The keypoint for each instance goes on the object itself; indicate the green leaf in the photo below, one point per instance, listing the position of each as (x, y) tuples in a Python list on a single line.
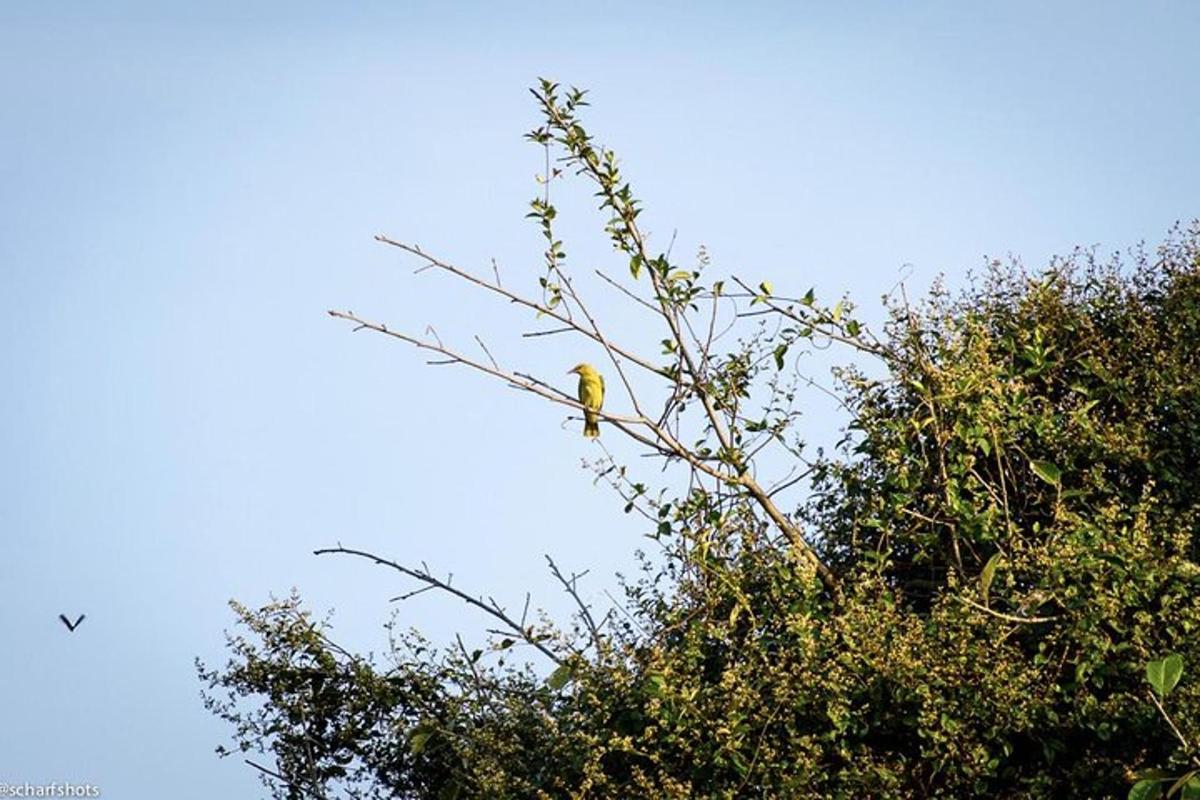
[(1191, 789), (1047, 471), (779, 353), (836, 314), (1146, 790), (1181, 783), (1164, 674), (809, 298), (988, 575), (419, 738), (766, 288), (635, 266), (1153, 774), (559, 678)]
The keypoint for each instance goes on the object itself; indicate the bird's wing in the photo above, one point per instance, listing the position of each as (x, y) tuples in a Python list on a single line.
[(601, 388)]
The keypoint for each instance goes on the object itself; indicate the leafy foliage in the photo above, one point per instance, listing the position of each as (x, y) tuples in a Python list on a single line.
[(969, 600)]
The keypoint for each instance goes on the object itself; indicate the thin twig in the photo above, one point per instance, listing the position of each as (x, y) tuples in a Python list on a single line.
[(550, 332), (515, 298), (488, 352), (662, 441), (538, 388), (584, 612), (289, 783), (1006, 617), (626, 292), (1187, 747), (853, 341)]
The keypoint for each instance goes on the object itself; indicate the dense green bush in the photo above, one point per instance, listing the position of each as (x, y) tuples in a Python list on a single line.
[(1007, 536)]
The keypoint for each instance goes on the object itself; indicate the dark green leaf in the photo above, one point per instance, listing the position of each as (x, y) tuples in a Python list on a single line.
[(779, 353)]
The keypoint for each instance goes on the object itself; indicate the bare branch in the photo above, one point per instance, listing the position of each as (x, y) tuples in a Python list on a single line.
[(584, 611), (541, 308), (408, 595), (1187, 747), (787, 482), (1006, 617), (599, 337), (287, 782), (488, 352), (512, 378), (627, 293), (550, 332), (425, 577)]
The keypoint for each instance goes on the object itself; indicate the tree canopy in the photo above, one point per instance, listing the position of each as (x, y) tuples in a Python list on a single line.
[(990, 588)]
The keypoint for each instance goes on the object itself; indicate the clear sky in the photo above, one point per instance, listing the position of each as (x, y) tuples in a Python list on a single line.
[(186, 188)]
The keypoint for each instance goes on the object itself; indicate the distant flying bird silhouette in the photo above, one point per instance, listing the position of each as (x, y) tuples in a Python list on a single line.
[(71, 626)]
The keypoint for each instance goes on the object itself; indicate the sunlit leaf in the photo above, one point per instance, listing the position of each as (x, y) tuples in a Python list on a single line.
[(1164, 674), (419, 739), (988, 575), (1146, 790), (1047, 471)]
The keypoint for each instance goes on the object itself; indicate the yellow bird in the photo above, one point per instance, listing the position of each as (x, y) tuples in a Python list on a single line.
[(591, 395)]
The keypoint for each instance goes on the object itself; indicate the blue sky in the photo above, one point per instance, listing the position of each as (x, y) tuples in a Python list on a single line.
[(184, 191)]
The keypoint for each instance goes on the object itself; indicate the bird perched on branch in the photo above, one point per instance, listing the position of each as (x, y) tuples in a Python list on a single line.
[(591, 395)]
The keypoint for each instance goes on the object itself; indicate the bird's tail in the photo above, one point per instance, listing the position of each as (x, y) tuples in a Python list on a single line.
[(591, 425)]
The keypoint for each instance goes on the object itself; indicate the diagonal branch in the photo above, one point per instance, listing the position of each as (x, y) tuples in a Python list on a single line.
[(1007, 617), (490, 607), (585, 612), (1187, 747), (661, 440), (544, 310)]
